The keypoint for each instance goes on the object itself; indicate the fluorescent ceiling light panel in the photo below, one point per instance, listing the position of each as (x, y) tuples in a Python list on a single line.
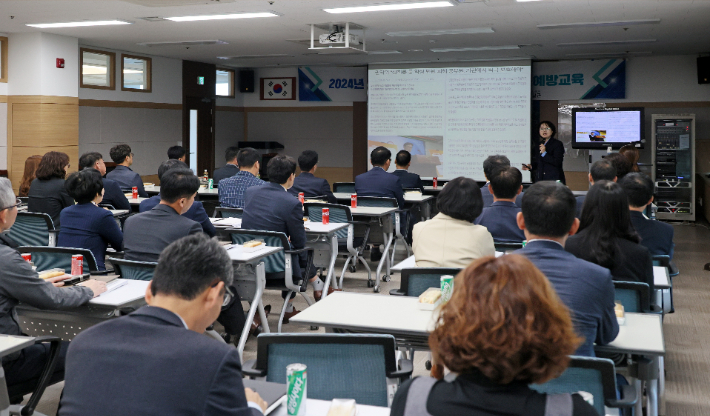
[(610, 42), (608, 54), (221, 16), (599, 24), (78, 24), (469, 31), (383, 52), (185, 43), (273, 55), (390, 6), (476, 49), (525, 1)]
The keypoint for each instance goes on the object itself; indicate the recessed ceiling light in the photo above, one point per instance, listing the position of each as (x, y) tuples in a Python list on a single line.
[(221, 16), (477, 48), (272, 55), (469, 31), (599, 24), (416, 50), (390, 6), (525, 1), (78, 24), (185, 43), (610, 42), (383, 52)]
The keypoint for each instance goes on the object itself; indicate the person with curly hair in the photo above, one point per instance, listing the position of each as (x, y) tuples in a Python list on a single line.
[(503, 328), (47, 193)]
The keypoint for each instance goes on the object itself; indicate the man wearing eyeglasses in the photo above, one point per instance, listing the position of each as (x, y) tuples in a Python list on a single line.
[(19, 283), (158, 358)]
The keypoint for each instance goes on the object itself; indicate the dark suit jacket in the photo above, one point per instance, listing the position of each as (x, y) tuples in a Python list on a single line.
[(580, 204), (584, 287), (408, 179), (50, 197), (149, 364), (501, 221), (225, 171), (656, 236), (146, 235), (114, 195), (549, 167), (377, 182), (88, 226), (196, 213), (312, 186), (270, 208), (632, 262), (488, 197), (127, 179)]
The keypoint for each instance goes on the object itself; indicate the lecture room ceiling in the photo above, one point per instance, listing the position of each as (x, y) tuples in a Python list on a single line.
[(682, 29)]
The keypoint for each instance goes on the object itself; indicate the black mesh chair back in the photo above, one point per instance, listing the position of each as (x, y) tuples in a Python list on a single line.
[(227, 212), (348, 187), (45, 258), (32, 229), (634, 296), (416, 281)]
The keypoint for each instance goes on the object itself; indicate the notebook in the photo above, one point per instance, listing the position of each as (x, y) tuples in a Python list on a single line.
[(272, 393)]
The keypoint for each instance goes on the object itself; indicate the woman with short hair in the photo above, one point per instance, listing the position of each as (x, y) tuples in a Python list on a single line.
[(549, 155), (47, 193), (503, 329), (86, 225), (451, 239)]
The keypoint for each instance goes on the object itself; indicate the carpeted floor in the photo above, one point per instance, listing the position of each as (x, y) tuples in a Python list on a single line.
[(687, 331)]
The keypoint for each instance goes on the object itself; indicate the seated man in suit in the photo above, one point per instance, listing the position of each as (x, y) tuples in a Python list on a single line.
[(586, 288), (307, 183), (145, 235), (122, 174), (196, 212), (656, 236), (177, 152), (272, 208), (113, 194), (231, 190), (19, 283), (158, 358), (501, 218), (230, 168), (601, 170), (489, 165), (409, 180)]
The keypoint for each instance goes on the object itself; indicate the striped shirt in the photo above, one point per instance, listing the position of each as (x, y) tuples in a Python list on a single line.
[(231, 190)]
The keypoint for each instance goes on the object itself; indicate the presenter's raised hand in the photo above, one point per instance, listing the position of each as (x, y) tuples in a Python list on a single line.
[(527, 167)]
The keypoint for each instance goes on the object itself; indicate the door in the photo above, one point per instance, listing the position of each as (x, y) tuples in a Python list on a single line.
[(199, 140)]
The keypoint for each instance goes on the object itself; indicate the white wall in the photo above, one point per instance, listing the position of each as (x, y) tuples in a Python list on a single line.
[(3, 136), (229, 129), (664, 78), (32, 65)]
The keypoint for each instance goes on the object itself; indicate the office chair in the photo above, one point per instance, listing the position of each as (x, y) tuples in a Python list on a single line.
[(131, 269), (347, 187), (416, 281), (33, 229), (227, 212), (45, 258)]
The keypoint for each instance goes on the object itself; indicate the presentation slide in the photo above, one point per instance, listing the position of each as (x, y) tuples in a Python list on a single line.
[(451, 119), (608, 126)]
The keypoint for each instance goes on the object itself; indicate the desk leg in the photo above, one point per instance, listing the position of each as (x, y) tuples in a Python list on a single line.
[(331, 266), (256, 304), (661, 386), (384, 260)]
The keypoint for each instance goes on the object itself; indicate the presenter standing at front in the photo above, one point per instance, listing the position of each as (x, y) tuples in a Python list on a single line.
[(547, 163)]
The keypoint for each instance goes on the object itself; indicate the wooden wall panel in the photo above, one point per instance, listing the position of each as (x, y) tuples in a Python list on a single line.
[(21, 153)]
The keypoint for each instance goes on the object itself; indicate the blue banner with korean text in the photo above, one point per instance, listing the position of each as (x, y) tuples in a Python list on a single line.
[(579, 80), (332, 84)]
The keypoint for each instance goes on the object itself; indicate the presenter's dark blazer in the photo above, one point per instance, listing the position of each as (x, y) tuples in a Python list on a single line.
[(549, 167), (585, 288), (377, 182), (656, 236), (148, 363), (226, 171), (501, 221), (145, 235), (409, 179), (91, 227), (270, 208), (196, 213), (488, 197), (310, 185), (114, 195), (127, 179)]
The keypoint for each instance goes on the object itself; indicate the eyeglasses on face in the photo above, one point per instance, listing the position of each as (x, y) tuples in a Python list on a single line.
[(545, 129), (18, 202)]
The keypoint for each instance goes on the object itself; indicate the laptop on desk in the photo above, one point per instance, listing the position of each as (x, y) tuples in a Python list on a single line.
[(272, 393)]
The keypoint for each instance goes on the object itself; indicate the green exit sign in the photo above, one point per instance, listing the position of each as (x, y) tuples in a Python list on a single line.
[(200, 80)]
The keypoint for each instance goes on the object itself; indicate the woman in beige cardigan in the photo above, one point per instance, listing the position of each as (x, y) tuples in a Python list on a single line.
[(451, 239)]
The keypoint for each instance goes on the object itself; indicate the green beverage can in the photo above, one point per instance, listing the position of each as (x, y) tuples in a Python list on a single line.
[(210, 184), (296, 395), (447, 288)]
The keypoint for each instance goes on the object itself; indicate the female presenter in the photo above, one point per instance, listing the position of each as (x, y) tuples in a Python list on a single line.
[(547, 163)]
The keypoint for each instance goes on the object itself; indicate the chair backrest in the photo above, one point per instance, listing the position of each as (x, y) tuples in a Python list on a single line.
[(593, 375), (109, 206), (634, 296), (417, 280), (348, 187), (227, 212), (505, 246), (353, 366), (131, 269), (274, 263), (377, 201), (338, 214), (31, 229), (46, 258)]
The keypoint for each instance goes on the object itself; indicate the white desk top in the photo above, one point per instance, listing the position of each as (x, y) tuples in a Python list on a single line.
[(364, 312), (12, 343), (136, 201), (642, 334), (228, 222), (240, 256), (320, 228), (119, 212), (661, 279), (120, 292), (201, 191), (410, 263), (408, 196), (320, 408), (372, 211), (431, 188)]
